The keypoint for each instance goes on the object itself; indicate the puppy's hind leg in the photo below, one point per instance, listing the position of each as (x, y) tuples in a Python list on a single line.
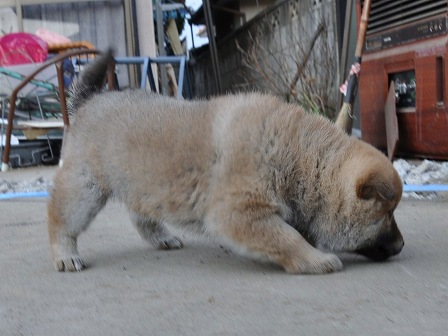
[(155, 233), (75, 200), (270, 236)]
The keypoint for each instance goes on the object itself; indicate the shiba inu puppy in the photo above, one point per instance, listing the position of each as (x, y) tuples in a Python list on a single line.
[(263, 176)]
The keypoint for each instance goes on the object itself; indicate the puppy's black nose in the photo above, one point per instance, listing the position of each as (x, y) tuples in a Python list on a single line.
[(386, 245), (377, 253), (394, 248)]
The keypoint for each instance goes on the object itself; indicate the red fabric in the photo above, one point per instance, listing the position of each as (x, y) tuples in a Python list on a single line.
[(22, 48), (51, 37)]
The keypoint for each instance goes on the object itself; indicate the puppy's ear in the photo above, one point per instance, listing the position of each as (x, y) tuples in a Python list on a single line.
[(375, 184)]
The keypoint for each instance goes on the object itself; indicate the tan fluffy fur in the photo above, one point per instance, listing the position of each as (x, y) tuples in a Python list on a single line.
[(263, 176)]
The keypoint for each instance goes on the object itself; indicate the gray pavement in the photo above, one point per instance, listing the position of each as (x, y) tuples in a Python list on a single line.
[(131, 289)]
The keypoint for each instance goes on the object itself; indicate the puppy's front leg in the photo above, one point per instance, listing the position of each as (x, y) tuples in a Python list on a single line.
[(272, 237)]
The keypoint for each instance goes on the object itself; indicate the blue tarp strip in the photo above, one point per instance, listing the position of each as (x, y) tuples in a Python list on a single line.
[(38, 194), (425, 188), (406, 188)]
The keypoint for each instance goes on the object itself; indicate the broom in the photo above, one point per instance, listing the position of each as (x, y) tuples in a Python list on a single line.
[(350, 87)]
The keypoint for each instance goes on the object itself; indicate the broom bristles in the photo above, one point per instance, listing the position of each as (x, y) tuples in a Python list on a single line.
[(344, 120)]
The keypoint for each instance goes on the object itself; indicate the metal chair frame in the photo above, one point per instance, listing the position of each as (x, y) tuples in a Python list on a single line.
[(57, 62)]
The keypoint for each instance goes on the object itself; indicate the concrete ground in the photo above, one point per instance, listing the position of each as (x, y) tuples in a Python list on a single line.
[(131, 289)]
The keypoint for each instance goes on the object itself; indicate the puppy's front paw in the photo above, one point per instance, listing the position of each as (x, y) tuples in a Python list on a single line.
[(318, 263), (69, 264), (170, 243), (328, 264)]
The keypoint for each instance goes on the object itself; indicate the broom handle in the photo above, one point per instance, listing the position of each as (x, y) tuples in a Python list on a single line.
[(352, 85), (344, 120), (362, 30)]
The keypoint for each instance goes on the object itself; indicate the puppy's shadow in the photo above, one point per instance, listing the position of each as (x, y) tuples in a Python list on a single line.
[(197, 255)]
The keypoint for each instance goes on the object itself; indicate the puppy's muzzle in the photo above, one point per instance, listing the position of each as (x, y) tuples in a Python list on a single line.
[(387, 244)]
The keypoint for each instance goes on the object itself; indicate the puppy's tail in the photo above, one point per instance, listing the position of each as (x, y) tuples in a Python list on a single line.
[(90, 82)]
